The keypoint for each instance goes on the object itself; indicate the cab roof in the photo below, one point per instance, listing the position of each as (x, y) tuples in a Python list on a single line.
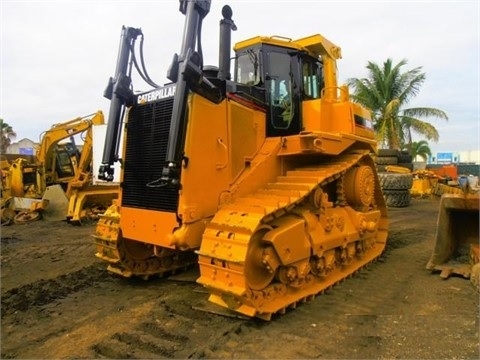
[(315, 45)]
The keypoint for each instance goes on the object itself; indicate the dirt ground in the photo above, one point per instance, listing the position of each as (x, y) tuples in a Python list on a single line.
[(58, 301)]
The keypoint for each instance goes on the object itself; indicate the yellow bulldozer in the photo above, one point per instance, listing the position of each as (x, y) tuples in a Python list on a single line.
[(265, 180)]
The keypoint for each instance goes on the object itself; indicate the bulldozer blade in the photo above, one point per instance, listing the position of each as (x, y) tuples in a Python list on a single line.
[(457, 236), (57, 203)]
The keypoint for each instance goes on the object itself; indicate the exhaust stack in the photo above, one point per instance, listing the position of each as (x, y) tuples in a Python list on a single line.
[(226, 27)]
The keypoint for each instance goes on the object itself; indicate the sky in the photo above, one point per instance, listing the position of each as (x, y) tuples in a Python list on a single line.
[(57, 56)]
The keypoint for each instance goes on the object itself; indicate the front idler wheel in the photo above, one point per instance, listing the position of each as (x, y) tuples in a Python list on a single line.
[(261, 261)]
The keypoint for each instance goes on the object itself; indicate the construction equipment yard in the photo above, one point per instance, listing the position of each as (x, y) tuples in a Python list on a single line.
[(245, 190), (58, 301)]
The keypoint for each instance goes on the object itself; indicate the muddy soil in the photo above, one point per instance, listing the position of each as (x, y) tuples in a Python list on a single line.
[(59, 302)]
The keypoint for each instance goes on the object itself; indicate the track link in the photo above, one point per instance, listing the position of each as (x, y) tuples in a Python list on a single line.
[(127, 257), (294, 238)]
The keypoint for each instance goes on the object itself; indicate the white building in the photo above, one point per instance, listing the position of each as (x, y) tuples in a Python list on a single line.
[(23, 147), (472, 156), (461, 157)]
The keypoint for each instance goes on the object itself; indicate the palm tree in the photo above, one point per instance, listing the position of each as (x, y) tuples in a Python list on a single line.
[(386, 92), (420, 148), (7, 134)]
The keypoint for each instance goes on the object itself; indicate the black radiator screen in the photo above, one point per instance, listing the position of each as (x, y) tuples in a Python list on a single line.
[(146, 148)]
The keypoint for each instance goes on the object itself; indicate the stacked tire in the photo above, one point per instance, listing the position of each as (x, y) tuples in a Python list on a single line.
[(395, 186), (386, 157), (405, 160)]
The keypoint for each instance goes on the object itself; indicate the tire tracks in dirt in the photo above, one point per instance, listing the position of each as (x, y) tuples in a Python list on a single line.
[(43, 292), (174, 328), (128, 318)]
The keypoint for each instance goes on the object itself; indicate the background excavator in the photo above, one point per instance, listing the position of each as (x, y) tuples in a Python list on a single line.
[(60, 174), (87, 198), (54, 163), (265, 180)]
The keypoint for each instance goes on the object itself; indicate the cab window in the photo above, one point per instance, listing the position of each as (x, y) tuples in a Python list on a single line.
[(248, 68), (280, 90), (312, 79)]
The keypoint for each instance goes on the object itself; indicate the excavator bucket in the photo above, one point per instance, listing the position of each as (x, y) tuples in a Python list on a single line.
[(456, 248), (57, 203)]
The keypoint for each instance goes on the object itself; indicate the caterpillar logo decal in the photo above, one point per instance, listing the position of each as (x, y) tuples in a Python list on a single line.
[(160, 93)]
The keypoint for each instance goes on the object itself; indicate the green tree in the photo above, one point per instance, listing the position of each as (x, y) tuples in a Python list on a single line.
[(420, 148), (7, 134), (386, 92)]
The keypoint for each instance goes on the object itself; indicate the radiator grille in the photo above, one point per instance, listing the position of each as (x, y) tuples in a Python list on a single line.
[(146, 148)]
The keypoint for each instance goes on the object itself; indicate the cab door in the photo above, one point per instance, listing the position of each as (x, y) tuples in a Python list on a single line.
[(283, 98)]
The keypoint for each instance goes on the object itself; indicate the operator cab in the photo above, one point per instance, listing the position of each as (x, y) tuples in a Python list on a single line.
[(278, 75), (66, 156)]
